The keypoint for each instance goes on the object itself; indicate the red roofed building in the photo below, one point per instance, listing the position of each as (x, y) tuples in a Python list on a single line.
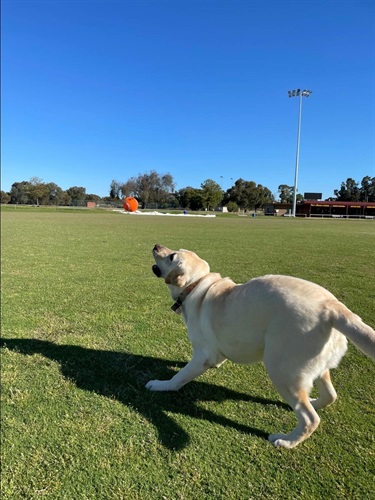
[(313, 208)]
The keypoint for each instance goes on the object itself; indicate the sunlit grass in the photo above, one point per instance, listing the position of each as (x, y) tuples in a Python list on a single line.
[(85, 324)]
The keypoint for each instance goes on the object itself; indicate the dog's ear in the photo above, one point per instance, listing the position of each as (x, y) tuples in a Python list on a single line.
[(176, 278)]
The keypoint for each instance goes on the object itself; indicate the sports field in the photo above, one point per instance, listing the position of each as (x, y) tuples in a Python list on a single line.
[(85, 324)]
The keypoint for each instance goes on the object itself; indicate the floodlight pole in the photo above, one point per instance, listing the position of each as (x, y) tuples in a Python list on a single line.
[(300, 94)]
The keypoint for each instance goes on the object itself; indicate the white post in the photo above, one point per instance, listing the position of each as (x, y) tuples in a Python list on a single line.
[(297, 157), (300, 94)]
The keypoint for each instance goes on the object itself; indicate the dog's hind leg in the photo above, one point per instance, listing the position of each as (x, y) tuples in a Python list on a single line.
[(327, 393), (296, 394), (308, 420)]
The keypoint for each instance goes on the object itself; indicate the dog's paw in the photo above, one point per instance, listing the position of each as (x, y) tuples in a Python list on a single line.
[(158, 385), (281, 441)]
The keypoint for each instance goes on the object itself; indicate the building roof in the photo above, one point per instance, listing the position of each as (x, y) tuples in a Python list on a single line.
[(338, 203)]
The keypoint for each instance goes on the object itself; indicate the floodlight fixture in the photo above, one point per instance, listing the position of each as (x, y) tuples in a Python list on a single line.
[(300, 94)]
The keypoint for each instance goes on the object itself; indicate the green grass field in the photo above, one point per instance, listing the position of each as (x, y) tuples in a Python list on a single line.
[(85, 325)]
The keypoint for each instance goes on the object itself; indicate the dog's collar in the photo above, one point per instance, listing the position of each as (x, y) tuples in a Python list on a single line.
[(180, 299)]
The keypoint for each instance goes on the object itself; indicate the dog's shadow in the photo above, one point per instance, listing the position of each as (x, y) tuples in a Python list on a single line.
[(122, 376)]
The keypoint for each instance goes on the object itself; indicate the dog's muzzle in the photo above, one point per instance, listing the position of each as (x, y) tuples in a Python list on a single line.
[(156, 270)]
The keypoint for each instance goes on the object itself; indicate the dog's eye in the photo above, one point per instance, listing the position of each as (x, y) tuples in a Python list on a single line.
[(171, 257)]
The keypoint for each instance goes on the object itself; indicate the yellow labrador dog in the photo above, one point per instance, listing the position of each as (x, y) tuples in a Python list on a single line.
[(296, 327)]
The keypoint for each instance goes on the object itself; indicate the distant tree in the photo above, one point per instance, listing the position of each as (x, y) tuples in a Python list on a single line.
[(196, 201), (19, 193), (167, 187), (106, 199), (237, 194), (41, 193), (4, 197), (168, 183), (130, 187), (212, 194), (65, 199), (248, 195), (264, 195), (93, 197), (54, 195), (115, 190), (286, 193), (367, 189), (349, 191), (191, 198), (77, 195), (38, 191), (232, 206), (150, 187)]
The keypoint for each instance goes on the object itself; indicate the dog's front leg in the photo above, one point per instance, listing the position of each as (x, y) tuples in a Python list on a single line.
[(196, 366)]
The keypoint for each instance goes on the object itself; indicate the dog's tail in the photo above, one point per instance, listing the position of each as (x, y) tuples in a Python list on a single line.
[(351, 325)]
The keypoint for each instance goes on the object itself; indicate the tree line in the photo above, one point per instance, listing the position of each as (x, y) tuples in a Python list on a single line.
[(351, 190), (37, 192), (159, 189), (152, 189)]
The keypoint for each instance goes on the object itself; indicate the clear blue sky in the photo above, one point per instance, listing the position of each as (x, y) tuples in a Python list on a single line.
[(100, 90)]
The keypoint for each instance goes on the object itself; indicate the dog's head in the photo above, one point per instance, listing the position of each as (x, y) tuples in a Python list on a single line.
[(178, 268)]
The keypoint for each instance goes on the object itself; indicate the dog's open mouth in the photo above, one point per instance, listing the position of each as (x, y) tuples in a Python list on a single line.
[(156, 270)]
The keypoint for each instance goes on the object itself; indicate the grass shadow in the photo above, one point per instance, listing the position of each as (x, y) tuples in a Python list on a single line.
[(122, 376)]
